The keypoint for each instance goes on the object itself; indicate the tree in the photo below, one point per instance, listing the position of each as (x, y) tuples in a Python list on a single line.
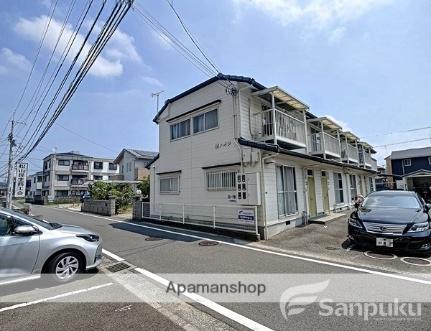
[(144, 186), (122, 193)]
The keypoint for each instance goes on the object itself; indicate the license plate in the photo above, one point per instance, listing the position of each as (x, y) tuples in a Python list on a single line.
[(384, 242)]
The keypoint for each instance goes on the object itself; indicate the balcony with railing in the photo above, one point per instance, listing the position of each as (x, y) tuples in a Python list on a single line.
[(80, 182), (80, 166), (329, 145), (287, 128), (282, 119), (349, 153), (349, 148), (324, 138)]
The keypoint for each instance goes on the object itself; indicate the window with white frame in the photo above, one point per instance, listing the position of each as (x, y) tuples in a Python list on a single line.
[(338, 187), (170, 184), (286, 191), (221, 180), (205, 121), (407, 162), (181, 129), (353, 187)]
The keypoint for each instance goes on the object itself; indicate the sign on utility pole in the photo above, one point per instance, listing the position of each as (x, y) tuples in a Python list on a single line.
[(20, 179)]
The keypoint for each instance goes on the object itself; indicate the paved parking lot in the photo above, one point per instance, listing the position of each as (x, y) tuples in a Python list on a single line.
[(112, 298), (330, 242)]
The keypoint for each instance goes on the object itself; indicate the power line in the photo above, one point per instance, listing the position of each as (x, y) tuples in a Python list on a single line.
[(39, 85), (116, 16), (63, 57), (192, 38), (52, 10), (396, 132), (85, 138), (403, 142)]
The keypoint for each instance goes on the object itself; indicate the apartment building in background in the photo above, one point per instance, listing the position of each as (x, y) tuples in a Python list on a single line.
[(132, 164), (68, 174), (410, 169), (34, 188), (230, 142)]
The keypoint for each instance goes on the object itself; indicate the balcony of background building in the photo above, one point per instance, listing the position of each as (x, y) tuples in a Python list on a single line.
[(80, 166), (365, 159)]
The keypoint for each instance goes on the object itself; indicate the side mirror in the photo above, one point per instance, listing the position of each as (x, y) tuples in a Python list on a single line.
[(25, 230)]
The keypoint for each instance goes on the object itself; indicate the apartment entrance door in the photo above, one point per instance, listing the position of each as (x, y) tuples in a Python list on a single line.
[(312, 207), (325, 192)]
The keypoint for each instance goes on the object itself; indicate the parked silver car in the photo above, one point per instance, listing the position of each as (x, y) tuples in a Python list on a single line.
[(30, 247)]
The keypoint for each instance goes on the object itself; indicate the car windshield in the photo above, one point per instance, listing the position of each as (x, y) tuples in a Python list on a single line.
[(391, 201), (42, 223)]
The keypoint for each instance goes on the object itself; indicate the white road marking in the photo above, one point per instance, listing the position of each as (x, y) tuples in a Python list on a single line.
[(203, 301), (19, 280), (307, 259), (112, 255), (60, 296)]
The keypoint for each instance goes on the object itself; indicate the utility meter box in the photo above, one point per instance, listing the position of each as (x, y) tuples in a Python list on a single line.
[(248, 188)]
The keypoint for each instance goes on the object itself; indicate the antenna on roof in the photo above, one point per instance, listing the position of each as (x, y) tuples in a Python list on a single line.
[(157, 94)]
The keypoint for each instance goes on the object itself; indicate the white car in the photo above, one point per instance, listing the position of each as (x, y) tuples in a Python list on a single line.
[(31, 247)]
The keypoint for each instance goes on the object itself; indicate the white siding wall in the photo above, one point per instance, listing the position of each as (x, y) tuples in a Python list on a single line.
[(190, 154)]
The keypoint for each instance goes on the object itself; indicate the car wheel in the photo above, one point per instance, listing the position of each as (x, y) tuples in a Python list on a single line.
[(65, 267)]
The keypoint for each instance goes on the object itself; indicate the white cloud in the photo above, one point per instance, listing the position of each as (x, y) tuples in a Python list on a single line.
[(10, 58), (119, 48), (341, 123), (152, 81), (336, 35), (163, 42), (313, 14)]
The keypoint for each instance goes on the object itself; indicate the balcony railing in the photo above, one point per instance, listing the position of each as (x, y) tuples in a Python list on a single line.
[(373, 164), (349, 152), (332, 144), (287, 128), (78, 182), (80, 166)]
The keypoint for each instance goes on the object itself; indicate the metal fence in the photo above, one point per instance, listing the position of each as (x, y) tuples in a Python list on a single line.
[(237, 218)]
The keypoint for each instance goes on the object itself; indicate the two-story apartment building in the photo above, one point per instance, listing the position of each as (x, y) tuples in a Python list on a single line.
[(410, 169), (68, 174), (132, 164), (230, 141)]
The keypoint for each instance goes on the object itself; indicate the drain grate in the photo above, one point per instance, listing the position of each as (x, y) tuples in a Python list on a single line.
[(153, 239), (118, 267), (208, 243), (416, 261)]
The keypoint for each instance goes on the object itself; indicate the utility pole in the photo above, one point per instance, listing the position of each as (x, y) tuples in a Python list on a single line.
[(157, 94), (10, 167)]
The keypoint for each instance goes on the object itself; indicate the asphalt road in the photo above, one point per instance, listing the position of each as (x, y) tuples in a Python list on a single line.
[(174, 252)]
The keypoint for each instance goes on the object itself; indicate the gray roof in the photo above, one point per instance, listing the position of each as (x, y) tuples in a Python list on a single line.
[(139, 154), (142, 154), (411, 153)]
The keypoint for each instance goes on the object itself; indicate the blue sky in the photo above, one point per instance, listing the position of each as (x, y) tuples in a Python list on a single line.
[(364, 62)]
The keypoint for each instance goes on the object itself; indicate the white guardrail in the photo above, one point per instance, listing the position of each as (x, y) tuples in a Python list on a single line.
[(237, 218)]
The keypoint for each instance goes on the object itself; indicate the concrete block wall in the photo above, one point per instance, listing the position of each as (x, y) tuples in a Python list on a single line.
[(101, 207)]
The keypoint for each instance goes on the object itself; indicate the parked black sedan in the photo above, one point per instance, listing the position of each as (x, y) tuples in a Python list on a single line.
[(392, 219)]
